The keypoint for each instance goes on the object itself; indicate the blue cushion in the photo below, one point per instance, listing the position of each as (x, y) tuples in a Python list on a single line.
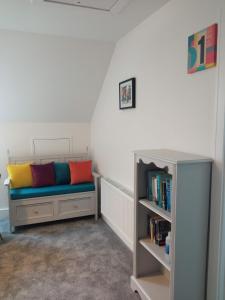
[(24, 193), (62, 173)]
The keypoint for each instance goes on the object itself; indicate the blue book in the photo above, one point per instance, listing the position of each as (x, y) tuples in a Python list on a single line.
[(159, 190), (168, 192)]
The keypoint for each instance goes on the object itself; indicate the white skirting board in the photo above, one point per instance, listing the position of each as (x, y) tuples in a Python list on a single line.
[(117, 210)]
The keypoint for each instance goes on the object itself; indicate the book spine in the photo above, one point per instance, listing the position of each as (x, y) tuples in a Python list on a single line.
[(153, 229), (164, 204), (149, 187), (155, 189), (159, 197), (168, 193), (156, 231), (163, 227)]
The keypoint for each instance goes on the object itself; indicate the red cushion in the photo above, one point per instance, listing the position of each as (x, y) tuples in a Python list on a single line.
[(43, 175), (81, 171)]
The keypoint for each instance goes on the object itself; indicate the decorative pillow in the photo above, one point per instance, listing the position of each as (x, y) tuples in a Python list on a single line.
[(62, 173), (81, 171), (43, 175), (20, 175)]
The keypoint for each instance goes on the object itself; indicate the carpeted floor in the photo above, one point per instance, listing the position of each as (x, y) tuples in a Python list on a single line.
[(72, 260)]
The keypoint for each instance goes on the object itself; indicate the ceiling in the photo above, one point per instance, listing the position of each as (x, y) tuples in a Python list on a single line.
[(56, 76), (102, 5), (105, 20)]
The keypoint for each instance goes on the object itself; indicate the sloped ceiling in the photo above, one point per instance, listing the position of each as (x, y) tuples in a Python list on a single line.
[(52, 18), (50, 79), (54, 58)]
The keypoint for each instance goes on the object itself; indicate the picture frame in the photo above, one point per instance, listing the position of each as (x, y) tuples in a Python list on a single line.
[(202, 49), (127, 94)]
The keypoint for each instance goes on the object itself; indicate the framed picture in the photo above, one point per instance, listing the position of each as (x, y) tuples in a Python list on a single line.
[(127, 92), (202, 49)]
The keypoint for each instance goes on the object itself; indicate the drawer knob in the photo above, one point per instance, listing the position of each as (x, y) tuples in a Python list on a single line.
[(36, 212), (75, 206)]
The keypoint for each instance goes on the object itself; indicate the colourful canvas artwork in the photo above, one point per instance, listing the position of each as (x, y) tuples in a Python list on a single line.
[(202, 49)]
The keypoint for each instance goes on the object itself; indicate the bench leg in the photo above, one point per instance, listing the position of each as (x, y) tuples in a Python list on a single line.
[(12, 229)]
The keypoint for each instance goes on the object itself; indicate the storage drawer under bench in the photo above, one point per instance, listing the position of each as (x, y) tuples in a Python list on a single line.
[(28, 212), (74, 206), (37, 210)]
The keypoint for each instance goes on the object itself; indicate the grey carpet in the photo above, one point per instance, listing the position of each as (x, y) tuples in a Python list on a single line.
[(72, 260)]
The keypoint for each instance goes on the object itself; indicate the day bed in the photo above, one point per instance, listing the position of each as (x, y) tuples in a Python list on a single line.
[(37, 205)]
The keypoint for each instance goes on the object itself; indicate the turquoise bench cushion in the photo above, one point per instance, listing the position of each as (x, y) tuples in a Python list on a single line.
[(24, 193)]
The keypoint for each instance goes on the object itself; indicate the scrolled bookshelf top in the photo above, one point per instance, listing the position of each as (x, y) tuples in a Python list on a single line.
[(172, 156)]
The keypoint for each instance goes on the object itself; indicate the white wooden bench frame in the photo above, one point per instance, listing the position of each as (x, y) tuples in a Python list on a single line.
[(56, 207)]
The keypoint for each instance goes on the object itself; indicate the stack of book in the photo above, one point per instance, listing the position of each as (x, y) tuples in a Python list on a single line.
[(159, 187), (158, 230)]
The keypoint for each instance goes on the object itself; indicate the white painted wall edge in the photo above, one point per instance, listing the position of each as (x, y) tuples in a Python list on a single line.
[(222, 100), (4, 213), (216, 267)]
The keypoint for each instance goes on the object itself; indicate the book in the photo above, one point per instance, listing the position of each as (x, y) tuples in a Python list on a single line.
[(164, 202), (155, 196), (164, 190), (168, 192), (159, 187), (162, 227), (159, 190), (151, 229), (150, 185), (158, 230)]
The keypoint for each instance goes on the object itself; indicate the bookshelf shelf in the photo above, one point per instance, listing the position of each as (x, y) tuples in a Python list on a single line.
[(154, 287), (157, 251), (188, 195), (156, 209)]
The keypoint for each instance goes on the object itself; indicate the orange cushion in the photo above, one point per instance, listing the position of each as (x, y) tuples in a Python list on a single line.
[(81, 171)]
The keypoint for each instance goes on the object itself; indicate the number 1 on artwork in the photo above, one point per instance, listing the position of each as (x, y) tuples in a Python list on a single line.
[(201, 43)]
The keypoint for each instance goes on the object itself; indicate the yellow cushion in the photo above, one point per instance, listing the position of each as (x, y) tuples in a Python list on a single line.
[(20, 175)]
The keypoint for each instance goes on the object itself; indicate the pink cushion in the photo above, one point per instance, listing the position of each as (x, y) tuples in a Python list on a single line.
[(43, 175)]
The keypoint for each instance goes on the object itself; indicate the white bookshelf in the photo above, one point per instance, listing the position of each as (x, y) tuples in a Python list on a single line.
[(156, 251), (184, 276), (156, 209), (155, 286)]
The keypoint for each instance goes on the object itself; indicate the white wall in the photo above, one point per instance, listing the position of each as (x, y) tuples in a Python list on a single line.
[(216, 274), (49, 78), (48, 88), (17, 138), (174, 110)]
